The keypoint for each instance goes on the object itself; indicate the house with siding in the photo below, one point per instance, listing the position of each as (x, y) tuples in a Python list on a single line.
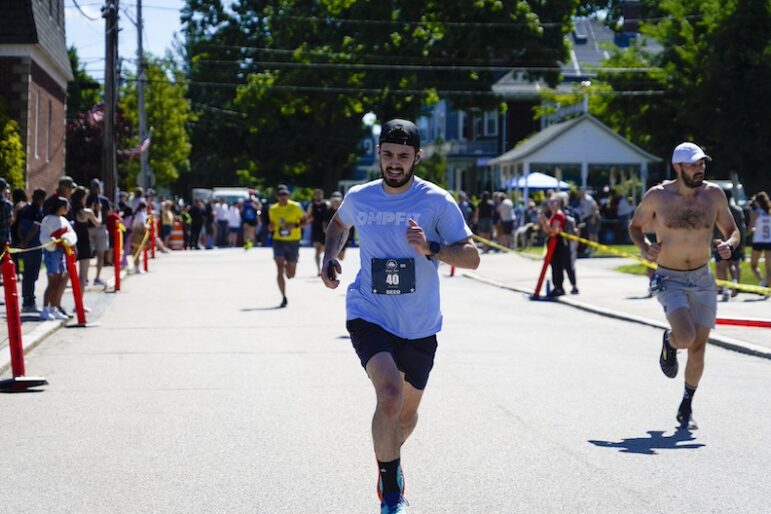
[(34, 72), (471, 139)]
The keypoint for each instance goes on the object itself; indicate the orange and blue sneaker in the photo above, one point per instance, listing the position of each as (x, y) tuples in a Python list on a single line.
[(399, 481), (394, 503)]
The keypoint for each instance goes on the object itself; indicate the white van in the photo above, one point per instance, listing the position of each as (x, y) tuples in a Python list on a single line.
[(231, 194)]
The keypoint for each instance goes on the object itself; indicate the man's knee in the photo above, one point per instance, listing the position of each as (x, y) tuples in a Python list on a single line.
[(684, 337), (290, 271), (390, 396)]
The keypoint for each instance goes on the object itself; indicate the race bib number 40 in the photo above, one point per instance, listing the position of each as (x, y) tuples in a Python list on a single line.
[(393, 276)]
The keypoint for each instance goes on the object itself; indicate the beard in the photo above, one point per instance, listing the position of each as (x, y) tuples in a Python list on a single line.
[(397, 182), (692, 182)]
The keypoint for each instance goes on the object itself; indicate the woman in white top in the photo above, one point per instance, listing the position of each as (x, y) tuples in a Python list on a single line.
[(760, 228), (55, 227)]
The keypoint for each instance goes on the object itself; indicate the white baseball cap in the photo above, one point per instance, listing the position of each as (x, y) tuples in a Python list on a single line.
[(688, 153)]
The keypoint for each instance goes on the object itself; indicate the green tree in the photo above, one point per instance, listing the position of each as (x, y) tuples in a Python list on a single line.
[(168, 115), (84, 92), (11, 150), (308, 71), (708, 84)]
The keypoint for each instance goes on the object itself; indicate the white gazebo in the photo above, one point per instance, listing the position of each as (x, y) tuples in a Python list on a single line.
[(583, 141)]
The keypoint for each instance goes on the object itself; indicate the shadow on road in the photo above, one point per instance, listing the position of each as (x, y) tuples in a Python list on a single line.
[(253, 309), (656, 440)]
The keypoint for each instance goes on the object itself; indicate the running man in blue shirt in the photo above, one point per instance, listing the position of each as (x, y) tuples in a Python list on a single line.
[(405, 225)]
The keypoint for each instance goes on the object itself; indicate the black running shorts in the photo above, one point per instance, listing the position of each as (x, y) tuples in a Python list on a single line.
[(413, 357)]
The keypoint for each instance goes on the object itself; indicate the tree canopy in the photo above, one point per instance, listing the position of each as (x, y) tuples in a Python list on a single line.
[(285, 83), (11, 150)]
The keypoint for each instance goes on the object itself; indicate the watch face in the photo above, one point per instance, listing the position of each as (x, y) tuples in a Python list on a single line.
[(434, 247)]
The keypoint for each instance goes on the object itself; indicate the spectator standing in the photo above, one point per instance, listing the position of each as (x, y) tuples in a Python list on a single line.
[(760, 228), (506, 214), (30, 218), (186, 220), (234, 224), (98, 234), (84, 218), (209, 225), (468, 210), (197, 215), (138, 230), (589, 215), (6, 214), (485, 217), (167, 222), (250, 217), (54, 227), (19, 201), (560, 260), (733, 265), (221, 216)]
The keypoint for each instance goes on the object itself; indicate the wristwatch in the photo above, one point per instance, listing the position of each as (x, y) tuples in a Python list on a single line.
[(434, 247)]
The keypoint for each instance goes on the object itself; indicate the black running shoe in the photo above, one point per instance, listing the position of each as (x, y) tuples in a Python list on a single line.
[(283, 303), (686, 420), (668, 356)]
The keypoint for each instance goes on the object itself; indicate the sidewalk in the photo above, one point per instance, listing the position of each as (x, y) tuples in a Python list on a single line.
[(35, 331), (624, 296)]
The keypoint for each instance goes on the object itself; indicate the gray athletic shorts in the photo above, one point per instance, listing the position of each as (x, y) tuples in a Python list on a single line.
[(694, 290)]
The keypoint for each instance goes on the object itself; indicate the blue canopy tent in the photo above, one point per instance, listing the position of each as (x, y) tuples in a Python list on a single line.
[(536, 180)]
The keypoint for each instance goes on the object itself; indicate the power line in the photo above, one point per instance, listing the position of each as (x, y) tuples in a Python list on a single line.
[(417, 67), (401, 91), (83, 12)]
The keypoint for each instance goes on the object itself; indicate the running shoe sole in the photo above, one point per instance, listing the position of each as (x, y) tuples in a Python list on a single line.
[(667, 357)]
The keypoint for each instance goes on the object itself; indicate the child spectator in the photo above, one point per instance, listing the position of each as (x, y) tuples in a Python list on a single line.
[(53, 228)]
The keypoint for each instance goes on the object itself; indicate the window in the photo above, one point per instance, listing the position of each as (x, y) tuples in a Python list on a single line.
[(37, 124), (491, 123), (48, 133), (464, 126), (50, 7), (478, 126)]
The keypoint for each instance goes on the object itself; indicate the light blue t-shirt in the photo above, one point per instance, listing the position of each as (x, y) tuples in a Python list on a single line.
[(381, 224)]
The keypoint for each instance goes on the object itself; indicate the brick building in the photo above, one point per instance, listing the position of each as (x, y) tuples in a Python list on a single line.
[(34, 71)]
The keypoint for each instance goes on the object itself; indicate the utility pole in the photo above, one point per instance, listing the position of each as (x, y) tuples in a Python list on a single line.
[(109, 155), (144, 173)]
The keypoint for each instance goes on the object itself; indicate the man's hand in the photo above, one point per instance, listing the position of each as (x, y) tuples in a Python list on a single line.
[(329, 272), (653, 250), (416, 238), (724, 249)]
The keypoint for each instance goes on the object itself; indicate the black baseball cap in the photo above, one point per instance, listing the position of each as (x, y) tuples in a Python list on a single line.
[(282, 190), (401, 132)]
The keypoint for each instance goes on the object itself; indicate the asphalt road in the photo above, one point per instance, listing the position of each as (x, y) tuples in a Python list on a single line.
[(196, 395)]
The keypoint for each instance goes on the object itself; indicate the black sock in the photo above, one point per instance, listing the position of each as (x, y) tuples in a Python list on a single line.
[(685, 405), (388, 472)]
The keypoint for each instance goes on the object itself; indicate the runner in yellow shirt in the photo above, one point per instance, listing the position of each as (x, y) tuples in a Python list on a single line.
[(286, 222)]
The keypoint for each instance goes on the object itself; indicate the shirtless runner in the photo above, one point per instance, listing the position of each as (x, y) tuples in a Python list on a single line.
[(683, 213)]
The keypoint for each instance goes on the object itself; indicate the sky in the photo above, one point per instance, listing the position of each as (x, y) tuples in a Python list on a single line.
[(161, 20)]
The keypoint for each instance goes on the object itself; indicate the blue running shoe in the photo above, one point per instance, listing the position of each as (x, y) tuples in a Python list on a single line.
[(394, 503), (399, 481)]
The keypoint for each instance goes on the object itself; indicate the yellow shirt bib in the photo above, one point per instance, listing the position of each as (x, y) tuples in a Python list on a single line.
[(280, 215)]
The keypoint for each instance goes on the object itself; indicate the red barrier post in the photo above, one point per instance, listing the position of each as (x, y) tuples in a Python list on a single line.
[(152, 238), (452, 271), (546, 262), (13, 316), (77, 292), (144, 258), (117, 253)]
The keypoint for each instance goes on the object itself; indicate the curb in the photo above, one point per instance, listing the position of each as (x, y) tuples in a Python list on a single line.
[(729, 343)]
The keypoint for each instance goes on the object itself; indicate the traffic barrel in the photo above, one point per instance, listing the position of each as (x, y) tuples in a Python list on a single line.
[(19, 382), (177, 237)]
